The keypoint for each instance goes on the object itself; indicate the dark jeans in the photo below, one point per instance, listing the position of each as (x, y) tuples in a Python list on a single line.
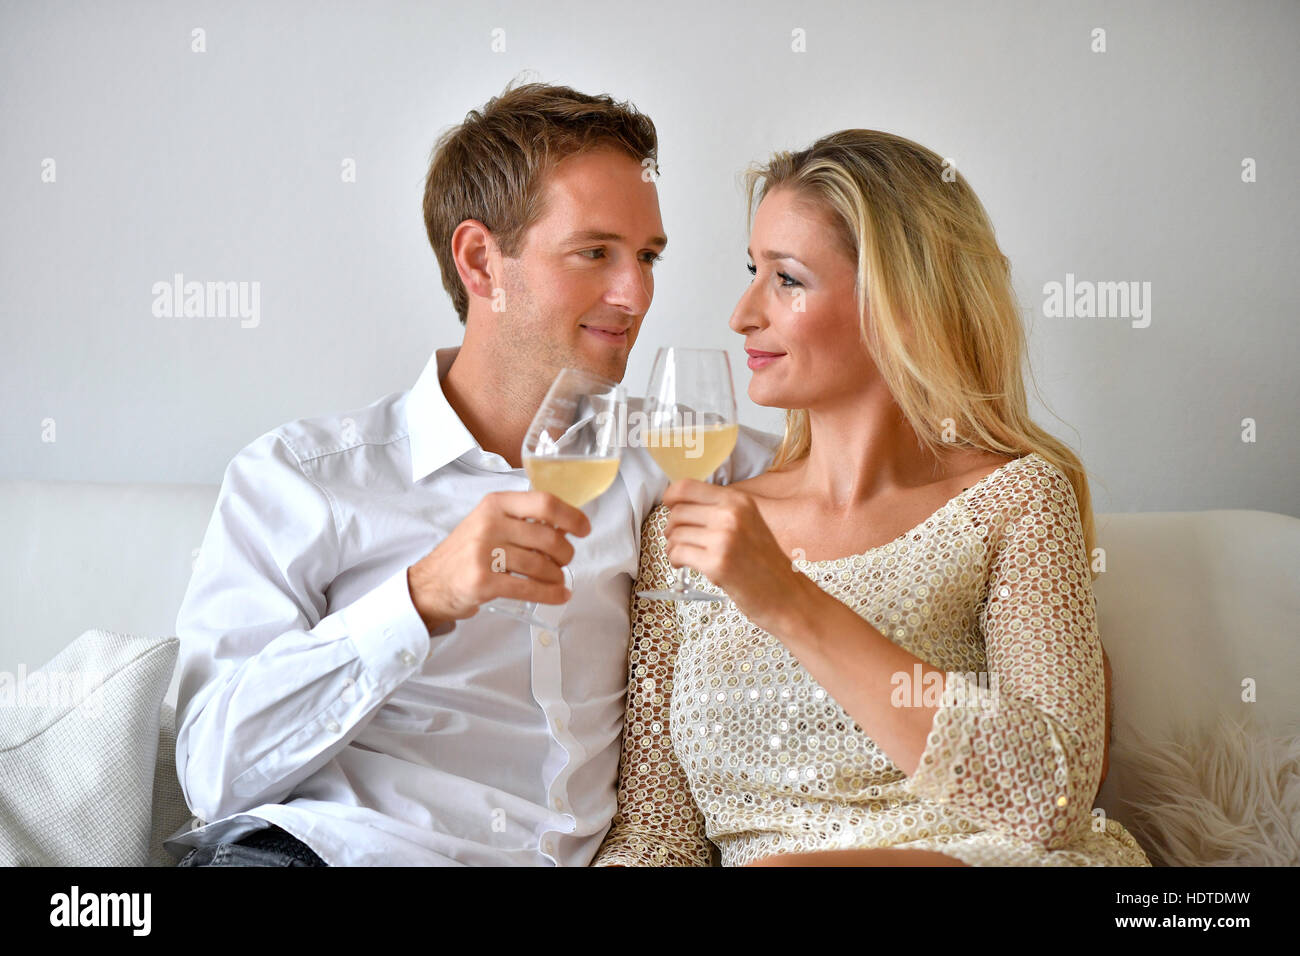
[(268, 847)]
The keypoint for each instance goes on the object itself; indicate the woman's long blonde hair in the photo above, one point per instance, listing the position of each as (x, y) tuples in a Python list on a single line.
[(944, 325)]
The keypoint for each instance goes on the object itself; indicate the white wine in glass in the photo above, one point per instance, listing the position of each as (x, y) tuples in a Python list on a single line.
[(691, 430), (572, 451)]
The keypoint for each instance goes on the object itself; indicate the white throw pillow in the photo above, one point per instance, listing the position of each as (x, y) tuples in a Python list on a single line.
[(79, 742)]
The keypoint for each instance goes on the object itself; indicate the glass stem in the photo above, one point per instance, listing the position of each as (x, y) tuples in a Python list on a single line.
[(681, 579)]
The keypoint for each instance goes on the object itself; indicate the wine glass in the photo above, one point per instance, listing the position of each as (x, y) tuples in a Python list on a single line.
[(690, 408), (571, 450)]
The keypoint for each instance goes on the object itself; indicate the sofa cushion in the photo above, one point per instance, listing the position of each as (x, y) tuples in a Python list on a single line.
[(79, 742)]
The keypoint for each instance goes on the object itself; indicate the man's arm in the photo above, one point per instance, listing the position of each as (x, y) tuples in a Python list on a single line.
[(271, 687)]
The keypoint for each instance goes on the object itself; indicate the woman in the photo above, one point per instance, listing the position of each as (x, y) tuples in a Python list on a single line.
[(924, 682)]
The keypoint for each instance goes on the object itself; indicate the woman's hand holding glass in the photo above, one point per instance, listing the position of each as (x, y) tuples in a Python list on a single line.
[(720, 532), (691, 430)]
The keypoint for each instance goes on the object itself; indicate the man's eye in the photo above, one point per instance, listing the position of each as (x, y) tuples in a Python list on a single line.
[(653, 257), (589, 252), (753, 270)]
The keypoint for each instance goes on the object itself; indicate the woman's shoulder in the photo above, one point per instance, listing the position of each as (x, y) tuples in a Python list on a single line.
[(769, 484), (1028, 479), (1025, 493)]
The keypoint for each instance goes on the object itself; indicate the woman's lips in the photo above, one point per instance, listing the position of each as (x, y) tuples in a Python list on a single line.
[(607, 335), (759, 359)]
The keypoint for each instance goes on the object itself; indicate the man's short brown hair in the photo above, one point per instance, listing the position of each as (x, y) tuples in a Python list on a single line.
[(492, 166)]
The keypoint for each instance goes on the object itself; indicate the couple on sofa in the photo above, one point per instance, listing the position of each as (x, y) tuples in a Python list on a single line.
[(905, 668)]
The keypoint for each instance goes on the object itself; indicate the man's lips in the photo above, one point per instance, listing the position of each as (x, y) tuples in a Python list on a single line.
[(607, 333)]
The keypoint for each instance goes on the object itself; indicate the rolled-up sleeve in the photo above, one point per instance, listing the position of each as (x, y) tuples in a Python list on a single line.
[(271, 687)]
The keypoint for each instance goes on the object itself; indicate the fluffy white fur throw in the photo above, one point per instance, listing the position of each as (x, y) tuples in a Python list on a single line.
[(1225, 797)]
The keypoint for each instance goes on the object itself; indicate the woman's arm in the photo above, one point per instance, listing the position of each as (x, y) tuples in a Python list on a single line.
[(1023, 753), (657, 822)]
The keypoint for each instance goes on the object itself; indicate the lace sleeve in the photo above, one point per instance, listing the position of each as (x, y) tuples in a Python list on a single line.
[(657, 822), (1023, 753)]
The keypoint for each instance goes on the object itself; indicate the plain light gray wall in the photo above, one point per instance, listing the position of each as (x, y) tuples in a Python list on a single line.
[(1123, 165)]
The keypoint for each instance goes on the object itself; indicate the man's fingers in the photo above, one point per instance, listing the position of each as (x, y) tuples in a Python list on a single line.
[(561, 514), (523, 561), (526, 589), (538, 537), (545, 507)]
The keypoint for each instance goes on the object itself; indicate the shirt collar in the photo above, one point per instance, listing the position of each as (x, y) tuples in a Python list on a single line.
[(436, 433)]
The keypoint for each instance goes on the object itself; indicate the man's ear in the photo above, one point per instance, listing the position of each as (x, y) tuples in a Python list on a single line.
[(477, 258)]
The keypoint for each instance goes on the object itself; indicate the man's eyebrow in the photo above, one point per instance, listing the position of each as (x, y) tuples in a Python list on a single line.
[(773, 254), (595, 235)]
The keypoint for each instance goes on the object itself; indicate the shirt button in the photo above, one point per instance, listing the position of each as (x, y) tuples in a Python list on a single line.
[(544, 638), (408, 658), (332, 726)]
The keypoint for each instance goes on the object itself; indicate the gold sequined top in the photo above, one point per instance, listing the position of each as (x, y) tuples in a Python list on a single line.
[(732, 751)]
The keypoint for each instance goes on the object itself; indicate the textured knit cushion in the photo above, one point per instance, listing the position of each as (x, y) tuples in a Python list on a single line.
[(79, 742)]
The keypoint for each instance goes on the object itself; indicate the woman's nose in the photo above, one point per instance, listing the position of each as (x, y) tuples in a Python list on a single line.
[(745, 316)]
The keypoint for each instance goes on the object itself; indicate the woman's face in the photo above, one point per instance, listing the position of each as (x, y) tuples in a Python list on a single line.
[(801, 307)]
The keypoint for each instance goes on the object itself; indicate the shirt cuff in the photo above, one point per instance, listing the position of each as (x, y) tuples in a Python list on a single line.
[(390, 637)]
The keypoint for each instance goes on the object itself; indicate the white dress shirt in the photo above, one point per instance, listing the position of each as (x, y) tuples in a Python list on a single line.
[(312, 696)]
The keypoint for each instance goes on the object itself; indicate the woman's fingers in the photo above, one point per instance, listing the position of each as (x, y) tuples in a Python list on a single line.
[(688, 515)]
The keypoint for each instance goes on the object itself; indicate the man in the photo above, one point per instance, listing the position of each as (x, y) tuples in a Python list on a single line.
[(341, 700)]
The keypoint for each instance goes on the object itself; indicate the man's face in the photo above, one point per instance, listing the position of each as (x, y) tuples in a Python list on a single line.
[(583, 280)]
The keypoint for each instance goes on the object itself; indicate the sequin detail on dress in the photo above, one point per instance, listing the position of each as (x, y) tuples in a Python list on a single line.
[(732, 751)]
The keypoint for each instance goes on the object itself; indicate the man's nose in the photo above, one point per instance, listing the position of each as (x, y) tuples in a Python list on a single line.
[(633, 288)]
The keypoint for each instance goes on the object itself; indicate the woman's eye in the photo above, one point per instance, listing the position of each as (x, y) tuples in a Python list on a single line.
[(787, 281)]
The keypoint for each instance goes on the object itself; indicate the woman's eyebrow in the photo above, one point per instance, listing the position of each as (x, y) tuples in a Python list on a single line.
[(773, 254)]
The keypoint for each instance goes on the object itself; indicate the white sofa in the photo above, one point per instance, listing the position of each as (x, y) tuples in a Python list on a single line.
[(1191, 605)]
